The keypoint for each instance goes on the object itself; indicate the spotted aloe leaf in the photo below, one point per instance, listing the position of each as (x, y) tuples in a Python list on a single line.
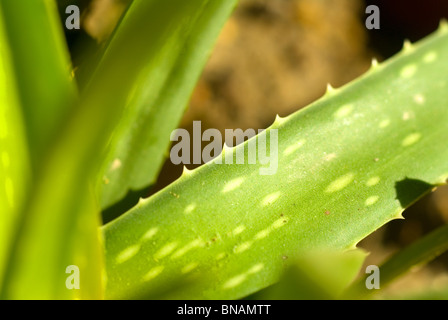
[(347, 164), (175, 58)]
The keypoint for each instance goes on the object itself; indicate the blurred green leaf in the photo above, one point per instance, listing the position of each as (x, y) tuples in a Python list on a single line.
[(316, 276), (42, 67), (14, 162), (58, 222), (158, 82)]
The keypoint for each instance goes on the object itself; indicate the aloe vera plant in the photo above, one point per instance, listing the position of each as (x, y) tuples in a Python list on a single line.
[(347, 164), (341, 163)]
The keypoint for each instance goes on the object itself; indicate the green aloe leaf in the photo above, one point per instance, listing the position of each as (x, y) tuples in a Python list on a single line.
[(14, 166), (173, 57), (42, 66), (347, 164)]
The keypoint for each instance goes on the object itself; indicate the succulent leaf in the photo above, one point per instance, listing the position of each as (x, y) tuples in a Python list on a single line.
[(347, 164)]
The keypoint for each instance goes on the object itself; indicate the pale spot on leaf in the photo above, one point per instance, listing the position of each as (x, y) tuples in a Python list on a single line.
[(165, 250), (153, 273), (408, 71), (243, 247), (192, 245), (189, 209), (385, 123), (149, 234), (256, 268), (116, 164), (371, 201), (419, 99), (127, 254), (373, 181), (340, 183), (344, 111), (233, 184), (235, 281), (189, 267), (239, 279), (220, 256), (262, 234), (271, 198), (407, 115), (238, 230), (430, 57), (330, 156), (280, 222), (411, 139)]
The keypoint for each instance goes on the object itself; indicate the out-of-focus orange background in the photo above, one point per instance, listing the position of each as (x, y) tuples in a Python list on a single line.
[(277, 56)]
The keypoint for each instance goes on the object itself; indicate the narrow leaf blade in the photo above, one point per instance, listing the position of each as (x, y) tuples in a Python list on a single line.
[(159, 97), (42, 67), (14, 162)]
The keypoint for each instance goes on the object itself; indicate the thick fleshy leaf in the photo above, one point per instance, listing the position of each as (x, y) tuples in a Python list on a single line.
[(347, 164)]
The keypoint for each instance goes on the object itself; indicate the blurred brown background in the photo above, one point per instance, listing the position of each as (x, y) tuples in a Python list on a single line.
[(277, 56)]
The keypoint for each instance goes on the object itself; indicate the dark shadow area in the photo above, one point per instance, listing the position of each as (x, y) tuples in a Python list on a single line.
[(124, 205), (408, 190), (404, 19), (80, 44), (422, 216)]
